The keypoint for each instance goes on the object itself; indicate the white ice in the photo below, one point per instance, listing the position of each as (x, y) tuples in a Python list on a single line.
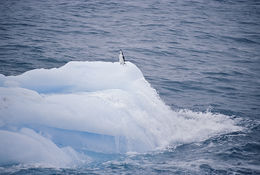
[(92, 106)]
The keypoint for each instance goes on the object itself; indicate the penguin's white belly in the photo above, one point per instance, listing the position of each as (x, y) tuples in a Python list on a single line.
[(121, 59)]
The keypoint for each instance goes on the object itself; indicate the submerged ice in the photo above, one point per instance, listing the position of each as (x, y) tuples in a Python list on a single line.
[(85, 107)]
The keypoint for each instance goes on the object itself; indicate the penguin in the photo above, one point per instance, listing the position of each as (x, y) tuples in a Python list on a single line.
[(121, 57)]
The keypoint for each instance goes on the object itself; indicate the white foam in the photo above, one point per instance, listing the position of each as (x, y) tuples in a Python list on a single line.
[(94, 106)]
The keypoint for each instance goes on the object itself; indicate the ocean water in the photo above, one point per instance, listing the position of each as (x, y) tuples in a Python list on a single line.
[(202, 58)]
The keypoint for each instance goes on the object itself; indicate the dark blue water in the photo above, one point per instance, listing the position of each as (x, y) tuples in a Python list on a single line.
[(198, 55)]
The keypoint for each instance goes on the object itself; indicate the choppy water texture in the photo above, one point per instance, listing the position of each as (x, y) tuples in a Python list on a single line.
[(198, 55)]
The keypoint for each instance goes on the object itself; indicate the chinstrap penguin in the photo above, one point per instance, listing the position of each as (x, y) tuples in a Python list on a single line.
[(121, 57)]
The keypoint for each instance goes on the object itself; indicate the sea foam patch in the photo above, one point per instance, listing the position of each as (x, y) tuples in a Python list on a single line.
[(92, 106)]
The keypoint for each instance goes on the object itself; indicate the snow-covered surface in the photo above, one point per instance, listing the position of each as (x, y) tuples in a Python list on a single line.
[(52, 116)]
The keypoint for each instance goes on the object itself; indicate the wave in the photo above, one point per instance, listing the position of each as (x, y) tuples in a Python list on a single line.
[(56, 115)]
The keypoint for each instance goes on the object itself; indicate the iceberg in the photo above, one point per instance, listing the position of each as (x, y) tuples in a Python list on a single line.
[(100, 107)]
